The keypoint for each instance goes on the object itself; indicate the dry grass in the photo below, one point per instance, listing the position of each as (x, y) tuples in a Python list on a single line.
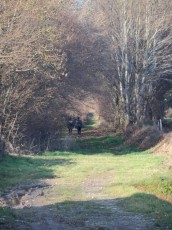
[(142, 138)]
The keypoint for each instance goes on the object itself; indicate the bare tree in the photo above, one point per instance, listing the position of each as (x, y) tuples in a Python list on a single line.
[(140, 35), (33, 65)]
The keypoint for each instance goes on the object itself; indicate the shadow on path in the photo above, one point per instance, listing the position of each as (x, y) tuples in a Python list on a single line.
[(17, 169), (139, 212)]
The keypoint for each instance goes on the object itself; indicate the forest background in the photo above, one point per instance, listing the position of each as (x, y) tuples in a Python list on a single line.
[(58, 59)]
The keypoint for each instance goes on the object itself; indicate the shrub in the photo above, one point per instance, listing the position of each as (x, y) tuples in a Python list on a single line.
[(143, 138)]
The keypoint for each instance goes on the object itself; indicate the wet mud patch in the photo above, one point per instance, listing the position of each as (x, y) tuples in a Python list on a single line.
[(23, 194)]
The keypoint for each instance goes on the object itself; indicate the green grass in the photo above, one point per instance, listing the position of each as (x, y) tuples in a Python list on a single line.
[(19, 169), (6, 215), (102, 145), (151, 206), (139, 178)]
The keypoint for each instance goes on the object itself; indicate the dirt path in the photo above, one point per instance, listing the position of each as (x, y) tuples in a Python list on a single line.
[(97, 212), (120, 220), (38, 206)]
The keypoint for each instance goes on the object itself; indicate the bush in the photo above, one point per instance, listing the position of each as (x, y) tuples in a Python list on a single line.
[(143, 138)]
